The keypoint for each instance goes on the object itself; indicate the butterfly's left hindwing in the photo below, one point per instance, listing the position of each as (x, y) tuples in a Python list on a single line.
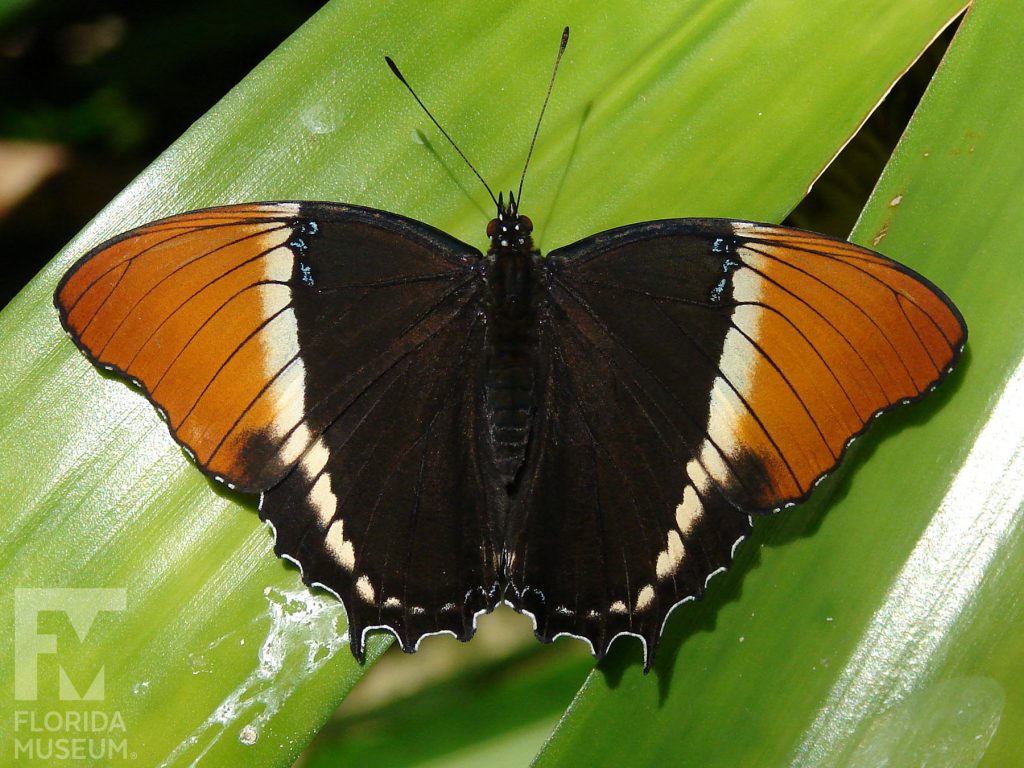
[(328, 356), (387, 508), (700, 371)]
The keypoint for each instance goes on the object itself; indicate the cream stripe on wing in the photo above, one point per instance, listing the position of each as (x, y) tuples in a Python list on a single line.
[(325, 504)]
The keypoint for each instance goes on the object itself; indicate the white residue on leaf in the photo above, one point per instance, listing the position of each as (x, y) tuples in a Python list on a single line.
[(318, 119), (303, 636), (248, 735)]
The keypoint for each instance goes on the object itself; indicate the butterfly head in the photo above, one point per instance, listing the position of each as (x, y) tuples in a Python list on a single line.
[(510, 229)]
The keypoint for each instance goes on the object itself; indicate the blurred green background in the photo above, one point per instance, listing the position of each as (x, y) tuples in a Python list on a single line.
[(91, 91)]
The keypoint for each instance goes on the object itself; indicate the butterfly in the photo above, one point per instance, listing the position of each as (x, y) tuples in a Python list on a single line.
[(584, 435)]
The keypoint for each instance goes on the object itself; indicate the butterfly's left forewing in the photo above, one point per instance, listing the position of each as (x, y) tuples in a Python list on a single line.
[(700, 371), (327, 356)]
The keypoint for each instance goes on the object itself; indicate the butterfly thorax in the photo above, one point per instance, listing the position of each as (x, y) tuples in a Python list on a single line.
[(511, 349)]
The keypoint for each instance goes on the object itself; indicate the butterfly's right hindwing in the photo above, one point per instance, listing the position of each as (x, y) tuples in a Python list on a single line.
[(702, 370)]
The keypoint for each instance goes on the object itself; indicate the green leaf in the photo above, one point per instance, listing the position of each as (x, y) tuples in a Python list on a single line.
[(502, 708), (707, 108)]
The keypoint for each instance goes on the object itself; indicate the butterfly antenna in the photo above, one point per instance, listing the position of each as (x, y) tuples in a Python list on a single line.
[(401, 77), (558, 59)]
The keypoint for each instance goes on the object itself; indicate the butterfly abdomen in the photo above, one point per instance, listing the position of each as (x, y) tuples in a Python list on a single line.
[(509, 387), (511, 357)]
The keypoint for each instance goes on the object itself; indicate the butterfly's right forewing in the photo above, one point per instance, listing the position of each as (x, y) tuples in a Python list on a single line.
[(701, 371)]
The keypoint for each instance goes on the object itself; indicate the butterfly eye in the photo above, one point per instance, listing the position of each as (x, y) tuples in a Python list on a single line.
[(492, 227), (525, 225)]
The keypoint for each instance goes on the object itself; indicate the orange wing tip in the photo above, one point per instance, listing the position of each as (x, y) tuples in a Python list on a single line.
[(155, 305), (841, 334)]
